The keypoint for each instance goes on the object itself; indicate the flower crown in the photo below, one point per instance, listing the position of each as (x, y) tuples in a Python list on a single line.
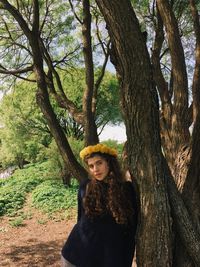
[(98, 148)]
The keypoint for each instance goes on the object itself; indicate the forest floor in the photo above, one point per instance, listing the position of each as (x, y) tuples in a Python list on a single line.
[(33, 239)]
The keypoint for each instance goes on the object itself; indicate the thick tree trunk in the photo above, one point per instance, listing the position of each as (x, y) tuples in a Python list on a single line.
[(140, 108), (174, 125), (185, 227), (145, 158), (181, 154)]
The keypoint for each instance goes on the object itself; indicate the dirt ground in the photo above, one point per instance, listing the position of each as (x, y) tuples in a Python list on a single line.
[(36, 242)]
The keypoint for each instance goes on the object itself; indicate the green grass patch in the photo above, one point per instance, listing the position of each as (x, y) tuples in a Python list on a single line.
[(17, 222)]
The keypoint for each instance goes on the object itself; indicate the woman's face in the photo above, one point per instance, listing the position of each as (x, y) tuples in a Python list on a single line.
[(98, 167)]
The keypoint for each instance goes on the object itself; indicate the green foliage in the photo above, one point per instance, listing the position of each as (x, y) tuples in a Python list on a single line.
[(41, 221), (107, 105), (24, 134), (48, 193), (13, 190), (51, 196), (17, 222), (11, 199), (108, 110), (56, 32), (77, 146), (55, 161)]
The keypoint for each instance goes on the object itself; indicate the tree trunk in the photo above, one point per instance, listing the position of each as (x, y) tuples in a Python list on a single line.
[(59, 136), (90, 128), (142, 126), (140, 108), (187, 234), (42, 98), (66, 176)]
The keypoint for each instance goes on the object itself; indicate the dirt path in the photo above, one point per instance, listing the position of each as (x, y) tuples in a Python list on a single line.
[(36, 243)]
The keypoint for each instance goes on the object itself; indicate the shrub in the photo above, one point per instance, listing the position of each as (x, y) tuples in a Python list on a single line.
[(51, 196), (13, 190)]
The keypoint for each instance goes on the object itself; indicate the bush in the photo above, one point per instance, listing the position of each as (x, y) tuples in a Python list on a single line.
[(13, 189), (11, 199), (56, 164), (51, 196)]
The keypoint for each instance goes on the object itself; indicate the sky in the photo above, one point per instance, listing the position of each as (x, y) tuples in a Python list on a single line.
[(117, 133)]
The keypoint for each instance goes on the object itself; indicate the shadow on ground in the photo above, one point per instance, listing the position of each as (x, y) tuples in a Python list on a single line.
[(33, 254)]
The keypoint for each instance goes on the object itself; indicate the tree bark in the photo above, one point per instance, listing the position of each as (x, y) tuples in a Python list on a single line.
[(142, 126), (141, 118), (174, 125), (42, 98), (90, 128), (186, 229)]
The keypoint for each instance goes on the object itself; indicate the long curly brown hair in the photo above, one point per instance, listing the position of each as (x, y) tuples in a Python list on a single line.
[(110, 195)]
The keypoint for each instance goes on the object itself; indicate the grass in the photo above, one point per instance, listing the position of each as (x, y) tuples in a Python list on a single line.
[(17, 222)]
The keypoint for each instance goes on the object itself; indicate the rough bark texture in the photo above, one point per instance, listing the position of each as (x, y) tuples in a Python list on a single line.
[(174, 96), (140, 108), (189, 237)]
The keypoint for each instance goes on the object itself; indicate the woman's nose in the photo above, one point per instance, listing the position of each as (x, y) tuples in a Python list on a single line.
[(95, 168)]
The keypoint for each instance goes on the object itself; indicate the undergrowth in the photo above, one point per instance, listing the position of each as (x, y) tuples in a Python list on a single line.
[(48, 193)]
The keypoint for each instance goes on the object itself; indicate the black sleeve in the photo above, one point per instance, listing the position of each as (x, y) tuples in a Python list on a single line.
[(132, 193), (79, 204), (130, 238), (81, 193)]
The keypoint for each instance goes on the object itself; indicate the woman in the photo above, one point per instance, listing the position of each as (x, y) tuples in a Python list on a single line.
[(104, 235)]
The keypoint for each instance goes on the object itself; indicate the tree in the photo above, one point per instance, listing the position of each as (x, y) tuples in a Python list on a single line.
[(35, 35), (24, 129), (154, 124), (146, 162), (24, 133), (107, 106)]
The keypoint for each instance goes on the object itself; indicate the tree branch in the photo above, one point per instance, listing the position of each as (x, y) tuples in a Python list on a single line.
[(15, 13), (36, 19), (196, 76), (178, 63), (74, 12)]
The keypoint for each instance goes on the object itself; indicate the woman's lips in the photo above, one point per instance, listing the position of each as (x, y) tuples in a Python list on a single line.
[(97, 174)]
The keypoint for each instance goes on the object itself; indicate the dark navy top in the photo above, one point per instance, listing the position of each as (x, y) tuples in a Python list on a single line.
[(101, 242)]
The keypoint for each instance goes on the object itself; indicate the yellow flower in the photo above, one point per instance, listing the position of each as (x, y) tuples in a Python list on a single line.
[(98, 148)]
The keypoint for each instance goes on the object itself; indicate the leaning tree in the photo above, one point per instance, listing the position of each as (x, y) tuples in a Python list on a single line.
[(39, 38)]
